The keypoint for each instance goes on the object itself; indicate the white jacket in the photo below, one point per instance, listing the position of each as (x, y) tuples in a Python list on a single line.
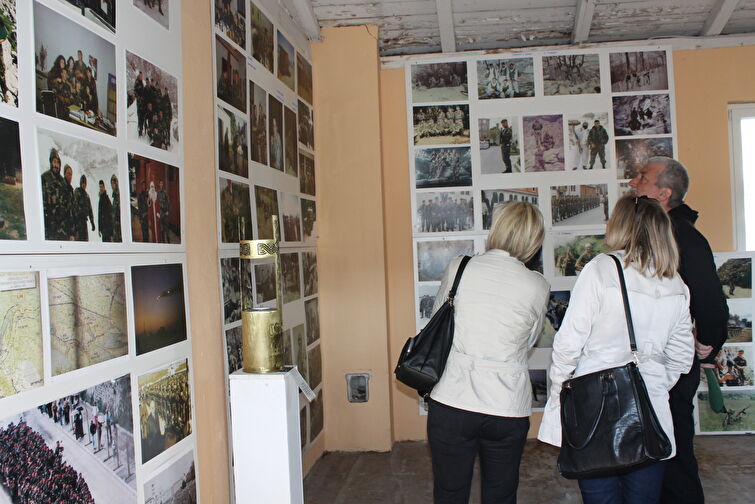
[(500, 306), (593, 336)]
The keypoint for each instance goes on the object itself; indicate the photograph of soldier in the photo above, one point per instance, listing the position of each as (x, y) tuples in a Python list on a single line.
[(86, 213), (505, 78), (230, 20), (267, 205), (300, 350), (736, 276), (8, 53), (290, 275), (262, 38), (740, 322), (314, 360), (291, 210), (159, 10), (444, 212), (490, 198), (309, 219), (571, 252), (312, 319), (738, 417), (309, 267), (316, 417), (164, 408), (499, 145), (275, 125), (290, 142), (571, 74), (425, 300), (579, 205), (75, 72), (641, 115), (444, 167), (230, 275), (159, 306), (434, 256), (306, 173), (558, 302), (441, 124), (46, 456), (539, 384), (152, 101), (440, 82), (155, 201), (264, 282), (583, 149), (175, 485), (258, 118), (633, 153), (638, 71), (12, 217), (286, 62), (543, 143), (306, 126), (733, 366), (234, 356), (235, 211), (304, 78), (231, 72), (233, 151)]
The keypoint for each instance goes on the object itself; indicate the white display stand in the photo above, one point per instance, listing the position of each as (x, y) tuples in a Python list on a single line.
[(266, 438)]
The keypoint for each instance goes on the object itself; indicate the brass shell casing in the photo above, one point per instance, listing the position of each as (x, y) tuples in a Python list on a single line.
[(262, 344)]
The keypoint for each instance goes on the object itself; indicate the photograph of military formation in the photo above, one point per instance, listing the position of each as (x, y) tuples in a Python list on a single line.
[(233, 151), (290, 275), (264, 282), (230, 20), (641, 115), (558, 302), (444, 212), (304, 78), (235, 360), (490, 198), (308, 219), (572, 252), (291, 210), (175, 485), (588, 138), (307, 173), (262, 37), (159, 306), (571, 74), (739, 326), (543, 143), (159, 10), (235, 211), (312, 319), (155, 200), (230, 276), (266, 201), (441, 125), (8, 53), (499, 145), (425, 300), (505, 78), (275, 125), (12, 216), (231, 74), (286, 62), (579, 205), (440, 82), (443, 167), (290, 142), (638, 71), (306, 126), (258, 118), (633, 153), (433, 257), (735, 275), (309, 269)]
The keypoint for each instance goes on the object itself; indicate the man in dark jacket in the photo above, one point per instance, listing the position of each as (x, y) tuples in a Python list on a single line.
[(666, 180)]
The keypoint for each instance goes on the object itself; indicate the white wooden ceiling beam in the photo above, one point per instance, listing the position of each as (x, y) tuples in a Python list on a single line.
[(718, 17), (582, 21), (446, 25)]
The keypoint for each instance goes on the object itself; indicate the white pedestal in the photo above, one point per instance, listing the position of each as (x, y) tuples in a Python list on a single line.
[(266, 438)]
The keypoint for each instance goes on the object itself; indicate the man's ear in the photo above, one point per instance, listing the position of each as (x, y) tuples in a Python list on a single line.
[(664, 195)]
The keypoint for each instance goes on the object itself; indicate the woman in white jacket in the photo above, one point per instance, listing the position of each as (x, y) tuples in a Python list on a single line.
[(481, 405), (593, 335)]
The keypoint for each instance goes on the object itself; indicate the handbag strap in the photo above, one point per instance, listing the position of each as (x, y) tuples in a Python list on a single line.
[(457, 279), (627, 310)]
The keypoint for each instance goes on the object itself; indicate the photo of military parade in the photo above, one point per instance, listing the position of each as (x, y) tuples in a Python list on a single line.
[(152, 101), (572, 252), (235, 211), (286, 62), (579, 205), (633, 153), (641, 115), (444, 212), (490, 198), (499, 145), (638, 71), (159, 10), (159, 306), (232, 146), (155, 201), (558, 302), (588, 138), (543, 143), (12, 216), (441, 125), (433, 257), (440, 82), (8, 53), (231, 74), (505, 78), (175, 485), (230, 20), (444, 167)]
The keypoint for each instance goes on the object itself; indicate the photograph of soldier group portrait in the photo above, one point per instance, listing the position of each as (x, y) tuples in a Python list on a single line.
[(558, 302), (572, 252), (262, 37), (230, 20), (579, 205), (441, 124), (258, 118), (493, 197), (543, 143), (499, 145), (159, 306), (309, 269), (308, 219), (233, 151), (733, 367), (12, 216), (740, 322), (231, 74), (306, 126), (641, 115), (444, 212), (235, 211), (443, 167), (159, 10), (638, 71), (571, 74), (505, 78), (290, 275), (433, 257), (291, 210), (588, 138), (736, 276), (633, 153), (8, 53), (286, 62), (304, 78), (155, 200), (440, 82), (175, 485)]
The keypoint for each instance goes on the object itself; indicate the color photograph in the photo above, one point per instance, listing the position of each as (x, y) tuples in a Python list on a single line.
[(733, 367), (444, 212), (159, 306), (308, 220), (286, 62), (739, 326), (235, 211), (494, 197), (175, 485), (231, 74), (641, 115), (571, 74), (306, 126), (441, 125), (264, 282), (159, 10), (291, 142), (633, 153), (267, 205), (100, 12), (262, 38), (312, 319), (440, 82), (433, 257), (558, 302), (155, 201), (8, 53), (314, 361), (499, 145), (291, 210), (735, 275), (505, 78), (233, 150), (304, 78), (309, 269), (233, 344), (290, 276), (276, 134), (638, 71), (572, 252), (588, 137), (230, 275), (425, 301), (230, 20), (738, 417), (258, 118), (306, 173), (445, 167), (12, 215), (579, 205), (539, 384), (543, 143)]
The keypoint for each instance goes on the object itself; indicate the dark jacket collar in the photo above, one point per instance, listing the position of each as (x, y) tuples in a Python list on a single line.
[(683, 212)]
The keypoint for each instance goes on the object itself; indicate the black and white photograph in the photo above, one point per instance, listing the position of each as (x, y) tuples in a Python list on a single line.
[(314, 361), (230, 275), (444, 212), (291, 210), (505, 78), (444, 167), (433, 257), (275, 123), (247, 287), (558, 302), (638, 71), (231, 74), (539, 383), (308, 219), (75, 72), (571, 74), (288, 349), (258, 118), (641, 115), (80, 189), (84, 441), (306, 126), (571, 252), (159, 306), (262, 37), (233, 150), (235, 211), (316, 417), (733, 367), (441, 125), (543, 143), (309, 269), (176, 484), (99, 12), (633, 153), (425, 300), (159, 10), (230, 20), (588, 137), (735, 275), (286, 62), (155, 200), (440, 82), (300, 350), (291, 142), (499, 145), (306, 173), (579, 205), (266, 206), (312, 319), (12, 214), (233, 350), (8, 53), (304, 78), (264, 281), (290, 276), (490, 198), (739, 326)]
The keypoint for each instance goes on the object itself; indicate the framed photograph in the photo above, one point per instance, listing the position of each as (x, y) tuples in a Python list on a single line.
[(735, 274), (101, 13), (314, 361), (588, 137), (572, 252), (543, 143), (291, 211), (312, 319), (263, 38), (264, 281), (490, 198), (258, 118), (307, 173), (539, 384), (158, 10), (266, 205), (306, 126), (159, 306), (288, 349), (740, 321), (433, 257), (426, 294), (230, 276), (233, 150), (316, 417), (441, 125), (444, 212), (309, 267), (440, 82), (291, 142), (290, 275), (277, 159), (300, 350), (152, 101), (641, 115), (233, 350), (177, 483), (8, 54), (571, 74), (286, 62), (558, 302), (231, 74), (737, 419), (155, 200), (304, 78), (235, 211), (309, 219), (357, 387), (638, 71), (12, 215), (444, 167), (499, 145), (505, 78), (579, 205), (633, 153), (230, 20), (733, 367)]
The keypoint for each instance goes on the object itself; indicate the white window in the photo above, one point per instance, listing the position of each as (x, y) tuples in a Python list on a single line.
[(742, 134)]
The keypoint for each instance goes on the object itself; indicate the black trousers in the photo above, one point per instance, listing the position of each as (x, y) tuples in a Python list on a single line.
[(681, 483), (457, 436)]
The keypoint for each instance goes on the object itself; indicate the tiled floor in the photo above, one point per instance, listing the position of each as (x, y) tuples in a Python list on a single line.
[(403, 476)]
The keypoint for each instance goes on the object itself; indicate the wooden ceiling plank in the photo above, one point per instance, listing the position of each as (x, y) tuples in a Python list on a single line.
[(582, 21), (718, 17), (446, 26)]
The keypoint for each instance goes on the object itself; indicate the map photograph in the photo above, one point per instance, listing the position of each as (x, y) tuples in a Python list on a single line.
[(159, 307)]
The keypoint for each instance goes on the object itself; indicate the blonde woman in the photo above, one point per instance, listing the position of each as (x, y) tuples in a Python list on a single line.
[(593, 335), (481, 405)]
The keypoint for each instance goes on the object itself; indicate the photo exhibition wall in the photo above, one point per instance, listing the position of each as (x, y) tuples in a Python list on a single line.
[(565, 131), (95, 339)]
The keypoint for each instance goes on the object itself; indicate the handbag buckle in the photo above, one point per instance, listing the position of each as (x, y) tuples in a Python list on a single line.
[(635, 357), (450, 300)]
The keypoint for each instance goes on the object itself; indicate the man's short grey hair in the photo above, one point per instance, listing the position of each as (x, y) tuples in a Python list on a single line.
[(674, 176)]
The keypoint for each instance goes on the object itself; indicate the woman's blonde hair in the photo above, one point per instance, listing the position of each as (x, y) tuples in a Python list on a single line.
[(641, 228), (517, 228)]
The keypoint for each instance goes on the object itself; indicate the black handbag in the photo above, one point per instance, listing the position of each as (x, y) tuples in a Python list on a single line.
[(608, 425), (424, 356)]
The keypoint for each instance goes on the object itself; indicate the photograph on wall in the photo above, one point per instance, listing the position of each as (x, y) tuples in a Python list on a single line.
[(433, 257), (230, 275), (159, 306), (276, 133), (304, 78), (12, 215), (558, 302), (543, 143), (230, 20), (235, 211), (88, 323), (499, 145), (20, 333), (262, 37), (233, 349), (308, 220), (588, 137), (300, 350), (638, 71), (288, 349), (291, 143), (90, 210), (314, 360), (426, 299), (505, 78), (291, 210), (231, 74), (306, 173), (306, 126), (164, 408), (233, 150), (571, 252), (52, 442), (312, 319), (290, 277), (100, 12), (8, 53), (444, 167), (491, 198), (441, 125), (539, 384), (579, 205), (440, 82), (159, 10), (633, 153), (246, 281), (309, 270), (444, 212), (75, 72), (286, 62), (258, 118), (571, 74), (738, 416), (264, 282), (735, 275), (303, 423), (641, 115), (155, 200), (176, 484), (733, 367), (316, 417), (267, 205), (625, 188), (739, 326)]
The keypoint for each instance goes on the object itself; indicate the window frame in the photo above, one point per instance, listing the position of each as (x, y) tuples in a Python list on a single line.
[(737, 112)]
